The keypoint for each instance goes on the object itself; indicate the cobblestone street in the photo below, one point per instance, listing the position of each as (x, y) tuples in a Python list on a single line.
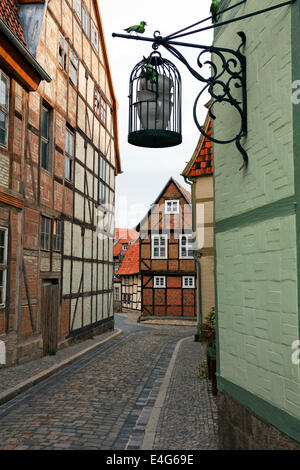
[(105, 399)]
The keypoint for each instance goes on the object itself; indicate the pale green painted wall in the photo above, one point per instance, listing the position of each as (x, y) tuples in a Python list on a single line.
[(257, 282), (270, 145)]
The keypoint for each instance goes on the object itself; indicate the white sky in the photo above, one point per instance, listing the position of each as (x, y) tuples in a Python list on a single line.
[(146, 171)]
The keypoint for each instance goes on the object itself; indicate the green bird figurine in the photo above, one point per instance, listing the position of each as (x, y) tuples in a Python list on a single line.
[(214, 10), (138, 28)]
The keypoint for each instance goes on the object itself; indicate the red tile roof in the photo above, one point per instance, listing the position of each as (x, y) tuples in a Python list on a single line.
[(9, 14), (184, 191), (131, 261), (204, 162), (123, 235)]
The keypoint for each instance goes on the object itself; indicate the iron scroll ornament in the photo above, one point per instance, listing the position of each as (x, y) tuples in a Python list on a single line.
[(232, 73)]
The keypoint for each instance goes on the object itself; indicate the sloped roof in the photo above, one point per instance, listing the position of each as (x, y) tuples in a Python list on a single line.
[(9, 14), (131, 261), (186, 194), (201, 163), (123, 235)]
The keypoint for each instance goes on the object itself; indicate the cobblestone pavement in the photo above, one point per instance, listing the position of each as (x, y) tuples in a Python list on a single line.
[(12, 376), (189, 417), (102, 401)]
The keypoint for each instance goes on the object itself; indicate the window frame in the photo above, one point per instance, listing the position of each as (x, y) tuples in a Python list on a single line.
[(172, 202), (56, 236), (101, 179), (43, 233), (62, 44), (4, 266), (5, 110), (94, 29), (188, 286), (47, 139), (85, 20), (160, 246), (189, 244), (158, 285), (73, 63), (78, 13), (68, 156)]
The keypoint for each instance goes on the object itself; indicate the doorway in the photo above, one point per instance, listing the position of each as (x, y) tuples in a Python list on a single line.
[(50, 291)]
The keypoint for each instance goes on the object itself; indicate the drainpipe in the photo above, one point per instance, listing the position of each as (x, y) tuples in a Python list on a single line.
[(199, 323)]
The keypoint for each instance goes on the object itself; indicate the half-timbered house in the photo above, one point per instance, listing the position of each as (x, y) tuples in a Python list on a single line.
[(65, 145), (167, 265), (123, 236), (129, 276)]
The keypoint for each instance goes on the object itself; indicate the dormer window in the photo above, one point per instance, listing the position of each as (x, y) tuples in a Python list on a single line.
[(172, 207), (125, 247)]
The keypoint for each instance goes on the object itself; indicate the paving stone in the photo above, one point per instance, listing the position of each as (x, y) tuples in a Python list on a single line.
[(104, 400)]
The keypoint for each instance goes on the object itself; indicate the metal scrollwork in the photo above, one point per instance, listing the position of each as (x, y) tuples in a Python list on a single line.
[(226, 85)]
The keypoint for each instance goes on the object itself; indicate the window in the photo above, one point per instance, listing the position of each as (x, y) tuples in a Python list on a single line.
[(4, 108), (69, 155), (73, 69), (45, 233), (95, 36), (85, 20), (188, 282), (56, 235), (126, 281), (159, 282), (77, 7), (117, 293), (103, 111), (100, 107), (3, 264), (126, 298), (171, 207), (63, 53), (45, 153), (102, 175), (159, 246), (186, 246), (124, 247)]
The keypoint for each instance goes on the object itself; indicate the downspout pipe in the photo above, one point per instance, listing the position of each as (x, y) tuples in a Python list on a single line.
[(199, 323)]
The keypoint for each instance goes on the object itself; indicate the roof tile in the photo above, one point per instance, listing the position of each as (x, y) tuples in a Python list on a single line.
[(131, 263), (204, 162), (9, 14)]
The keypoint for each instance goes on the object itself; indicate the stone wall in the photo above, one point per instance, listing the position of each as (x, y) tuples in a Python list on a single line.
[(241, 429)]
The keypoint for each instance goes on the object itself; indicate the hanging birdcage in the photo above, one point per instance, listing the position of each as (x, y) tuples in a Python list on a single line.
[(155, 103)]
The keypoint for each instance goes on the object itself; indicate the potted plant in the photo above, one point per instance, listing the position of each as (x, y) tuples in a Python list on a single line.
[(208, 335)]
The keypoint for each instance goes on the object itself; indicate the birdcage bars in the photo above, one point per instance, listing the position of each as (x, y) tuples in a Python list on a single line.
[(155, 103)]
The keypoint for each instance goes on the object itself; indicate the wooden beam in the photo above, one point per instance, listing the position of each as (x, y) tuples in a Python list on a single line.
[(16, 65), (11, 200)]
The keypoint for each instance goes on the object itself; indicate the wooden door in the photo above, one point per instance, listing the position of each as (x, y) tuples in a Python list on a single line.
[(49, 316)]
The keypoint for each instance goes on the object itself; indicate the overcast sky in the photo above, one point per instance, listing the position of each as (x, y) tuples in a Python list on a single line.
[(146, 171)]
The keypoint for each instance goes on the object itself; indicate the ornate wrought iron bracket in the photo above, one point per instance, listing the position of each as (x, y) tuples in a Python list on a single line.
[(224, 79), (228, 71)]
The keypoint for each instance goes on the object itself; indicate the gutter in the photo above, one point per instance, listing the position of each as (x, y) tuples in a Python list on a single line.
[(24, 51), (199, 323)]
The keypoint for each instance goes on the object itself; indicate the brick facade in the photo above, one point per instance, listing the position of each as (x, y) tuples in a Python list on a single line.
[(39, 192), (172, 300)]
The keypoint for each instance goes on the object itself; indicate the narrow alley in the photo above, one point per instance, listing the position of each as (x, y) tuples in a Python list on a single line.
[(140, 390)]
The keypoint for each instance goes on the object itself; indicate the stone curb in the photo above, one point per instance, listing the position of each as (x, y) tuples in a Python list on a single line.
[(151, 427), (26, 384)]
